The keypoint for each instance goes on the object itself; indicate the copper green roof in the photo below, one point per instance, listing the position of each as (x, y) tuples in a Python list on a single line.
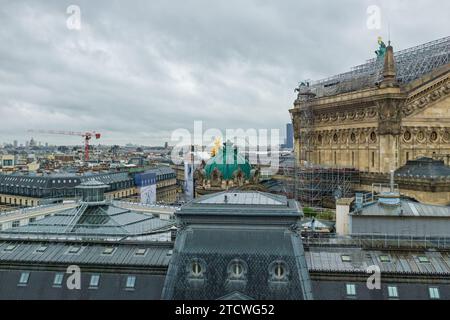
[(227, 161)]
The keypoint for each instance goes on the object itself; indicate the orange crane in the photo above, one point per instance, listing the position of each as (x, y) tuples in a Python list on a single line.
[(86, 135)]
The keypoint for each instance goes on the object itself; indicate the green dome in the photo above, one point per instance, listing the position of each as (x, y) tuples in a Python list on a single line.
[(227, 161)]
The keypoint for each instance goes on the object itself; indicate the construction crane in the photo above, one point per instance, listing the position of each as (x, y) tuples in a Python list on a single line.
[(86, 135)]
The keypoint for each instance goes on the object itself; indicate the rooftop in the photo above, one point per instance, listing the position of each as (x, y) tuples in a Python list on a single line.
[(138, 254), (411, 64), (242, 203), (353, 259), (244, 198), (102, 221), (60, 179), (403, 208), (424, 167)]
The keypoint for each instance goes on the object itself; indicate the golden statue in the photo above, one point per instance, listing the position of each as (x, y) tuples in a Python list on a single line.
[(217, 144)]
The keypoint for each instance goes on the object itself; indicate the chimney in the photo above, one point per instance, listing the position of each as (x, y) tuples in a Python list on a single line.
[(389, 72), (173, 233)]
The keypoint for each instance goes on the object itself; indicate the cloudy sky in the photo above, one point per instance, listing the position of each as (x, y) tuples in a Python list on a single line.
[(137, 70)]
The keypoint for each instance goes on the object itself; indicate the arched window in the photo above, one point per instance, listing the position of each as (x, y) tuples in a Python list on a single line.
[(373, 136), (237, 269), (196, 268), (278, 271)]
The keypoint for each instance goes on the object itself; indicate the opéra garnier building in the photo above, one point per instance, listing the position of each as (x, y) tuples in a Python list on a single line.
[(380, 115)]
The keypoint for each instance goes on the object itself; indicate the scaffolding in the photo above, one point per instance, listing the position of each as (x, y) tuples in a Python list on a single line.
[(313, 185), (411, 64), (317, 186)]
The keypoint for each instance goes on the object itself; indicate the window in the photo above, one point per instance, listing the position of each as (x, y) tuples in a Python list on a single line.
[(131, 281), (373, 159), (41, 249), (434, 293), (392, 292), (351, 289), (24, 276), (196, 268), (140, 252), (109, 251), (423, 259), (237, 269), (279, 271), (95, 278), (57, 281), (74, 250), (10, 247), (346, 258), (385, 258), (373, 137), (16, 223)]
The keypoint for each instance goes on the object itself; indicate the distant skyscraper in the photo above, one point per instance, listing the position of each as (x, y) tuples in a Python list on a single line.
[(15, 143), (289, 136)]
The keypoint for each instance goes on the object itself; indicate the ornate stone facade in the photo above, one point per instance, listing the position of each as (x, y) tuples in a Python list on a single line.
[(376, 129)]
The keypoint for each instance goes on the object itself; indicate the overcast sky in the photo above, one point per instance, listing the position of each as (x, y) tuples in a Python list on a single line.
[(137, 70)]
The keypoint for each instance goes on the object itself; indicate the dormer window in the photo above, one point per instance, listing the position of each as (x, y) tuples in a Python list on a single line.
[(237, 269), (41, 249), (278, 271), (10, 248), (140, 252), (108, 251), (74, 250), (196, 268)]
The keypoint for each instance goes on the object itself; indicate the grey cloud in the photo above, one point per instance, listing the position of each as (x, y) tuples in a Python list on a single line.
[(139, 69)]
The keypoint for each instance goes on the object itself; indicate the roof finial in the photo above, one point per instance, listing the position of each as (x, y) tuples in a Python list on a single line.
[(389, 72)]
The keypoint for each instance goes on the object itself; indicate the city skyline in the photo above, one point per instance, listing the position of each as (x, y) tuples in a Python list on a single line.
[(138, 73)]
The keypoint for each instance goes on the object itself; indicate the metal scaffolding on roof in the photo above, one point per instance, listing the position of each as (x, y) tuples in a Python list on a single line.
[(411, 64), (318, 186), (313, 185)]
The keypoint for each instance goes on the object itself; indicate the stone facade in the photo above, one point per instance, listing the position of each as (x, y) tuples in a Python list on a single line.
[(378, 128)]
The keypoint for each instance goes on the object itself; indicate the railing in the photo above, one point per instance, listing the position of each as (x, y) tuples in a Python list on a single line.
[(34, 209), (162, 234), (143, 205), (379, 241)]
